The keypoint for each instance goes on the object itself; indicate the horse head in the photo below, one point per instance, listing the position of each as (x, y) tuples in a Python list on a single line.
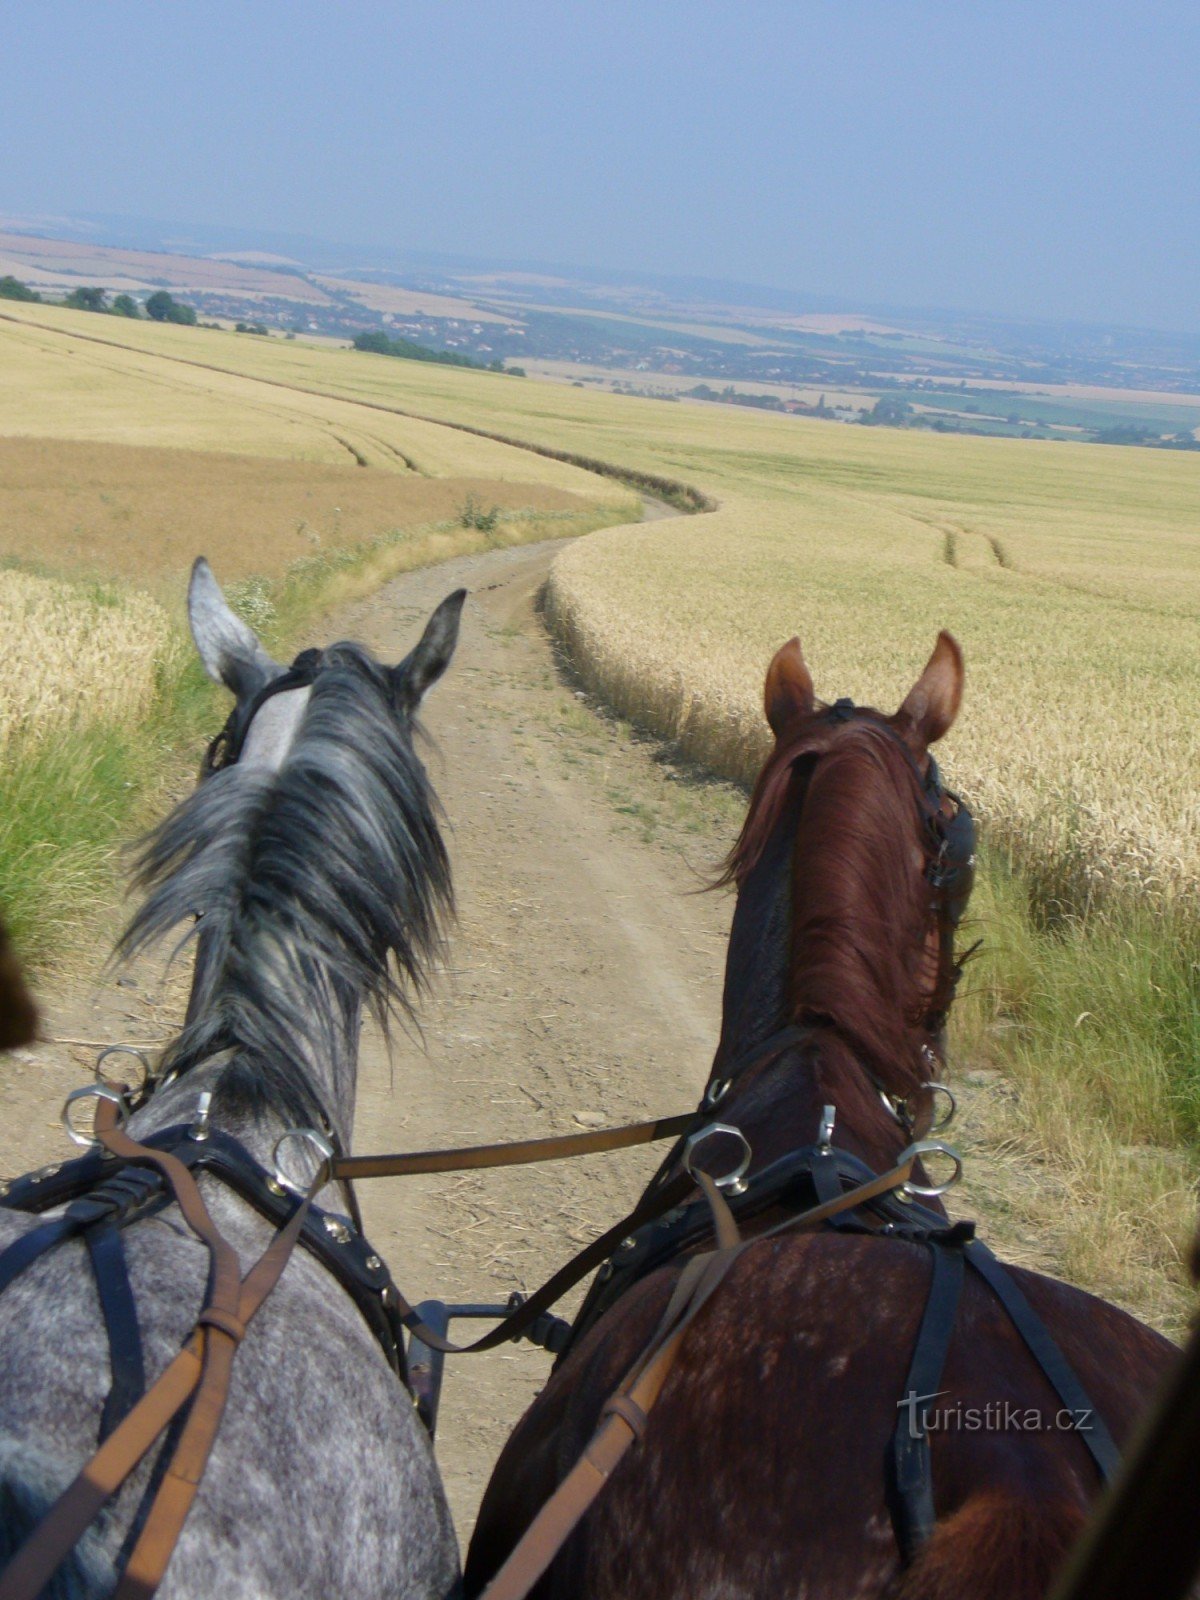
[(853, 870)]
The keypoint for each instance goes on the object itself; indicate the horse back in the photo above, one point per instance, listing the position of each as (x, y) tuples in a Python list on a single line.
[(764, 1465)]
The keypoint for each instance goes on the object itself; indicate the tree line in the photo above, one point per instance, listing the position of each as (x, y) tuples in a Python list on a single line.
[(160, 306), (379, 343)]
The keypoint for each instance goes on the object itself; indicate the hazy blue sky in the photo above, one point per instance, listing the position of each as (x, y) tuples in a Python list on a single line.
[(1039, 159)]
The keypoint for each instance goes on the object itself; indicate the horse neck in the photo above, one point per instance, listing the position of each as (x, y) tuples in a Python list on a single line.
[(325, 1074), (794, 960)]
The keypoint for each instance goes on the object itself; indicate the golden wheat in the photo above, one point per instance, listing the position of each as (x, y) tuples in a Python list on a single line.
[(75, 653), (70, 375), (1078, 741), (144, 514), (1071, 574)]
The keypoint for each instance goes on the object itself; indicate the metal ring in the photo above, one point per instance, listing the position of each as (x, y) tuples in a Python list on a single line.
[(940, 1124), (319, 1143), (92, 1091), (142, 1059), (728, 1180), (893, 1108), (929, 1147), (717, 1091)]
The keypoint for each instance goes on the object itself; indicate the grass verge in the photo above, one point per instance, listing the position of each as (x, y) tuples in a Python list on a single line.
[(1090, 1028)]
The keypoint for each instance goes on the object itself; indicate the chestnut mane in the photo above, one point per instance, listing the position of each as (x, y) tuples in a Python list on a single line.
[(859, 960)]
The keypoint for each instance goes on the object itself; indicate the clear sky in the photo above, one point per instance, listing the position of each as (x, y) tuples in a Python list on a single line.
[(1038, 159)]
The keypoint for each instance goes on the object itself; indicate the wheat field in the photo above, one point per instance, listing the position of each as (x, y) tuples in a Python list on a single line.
[(75, 653), (1070, 574), (143, 513)]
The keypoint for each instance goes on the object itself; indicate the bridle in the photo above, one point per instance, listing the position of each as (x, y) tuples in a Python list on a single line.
[(950, 873), (226, 749)]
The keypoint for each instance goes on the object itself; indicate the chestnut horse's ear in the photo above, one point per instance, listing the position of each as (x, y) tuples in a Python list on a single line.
[(788, 692), (933, 701)]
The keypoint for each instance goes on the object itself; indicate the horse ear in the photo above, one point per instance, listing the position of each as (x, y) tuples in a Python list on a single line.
[(933, 701), (424, 665), (788, 692), (229, 650)]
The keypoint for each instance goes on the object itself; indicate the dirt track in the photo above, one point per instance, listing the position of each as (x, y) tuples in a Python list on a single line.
[(584, 985)]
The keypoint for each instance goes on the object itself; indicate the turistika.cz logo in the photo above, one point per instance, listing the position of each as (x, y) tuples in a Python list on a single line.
[(997, 1416)]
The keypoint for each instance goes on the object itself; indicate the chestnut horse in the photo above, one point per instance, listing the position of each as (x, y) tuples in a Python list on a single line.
[(769, 1464)]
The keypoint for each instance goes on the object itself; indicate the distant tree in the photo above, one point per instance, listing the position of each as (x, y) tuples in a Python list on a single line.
[(373, 340), (13, 289), (889, 411), (87, 300), (125, 306), (163, 307), (251, 327)]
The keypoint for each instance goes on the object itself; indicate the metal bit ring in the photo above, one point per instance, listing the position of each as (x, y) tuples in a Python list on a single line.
[(930, 1147), (139, 1056), (731, 1180)]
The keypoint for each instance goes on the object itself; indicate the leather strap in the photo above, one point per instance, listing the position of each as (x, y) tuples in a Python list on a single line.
[(591, 1256), (619, 1425), (913, 1515), (1045, 1351), (523, 1152), (202, 1369), (107, 1254), (23, 1252)]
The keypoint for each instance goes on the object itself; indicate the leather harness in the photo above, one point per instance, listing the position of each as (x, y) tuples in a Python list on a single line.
[(819, 1176)]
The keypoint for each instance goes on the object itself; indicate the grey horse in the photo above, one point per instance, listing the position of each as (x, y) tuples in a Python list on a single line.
[(315, 868)]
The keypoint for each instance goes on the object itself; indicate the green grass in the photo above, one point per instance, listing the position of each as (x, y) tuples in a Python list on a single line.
[(1108, 1005), (69, 804)]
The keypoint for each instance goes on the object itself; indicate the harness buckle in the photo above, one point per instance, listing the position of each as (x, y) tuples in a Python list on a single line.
[(733, 1181)]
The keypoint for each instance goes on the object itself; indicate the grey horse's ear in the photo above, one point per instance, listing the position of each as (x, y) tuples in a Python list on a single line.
[(230, 650), (424, 665)]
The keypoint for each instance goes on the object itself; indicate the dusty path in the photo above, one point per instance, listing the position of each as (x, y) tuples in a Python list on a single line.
[(583, 985)]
